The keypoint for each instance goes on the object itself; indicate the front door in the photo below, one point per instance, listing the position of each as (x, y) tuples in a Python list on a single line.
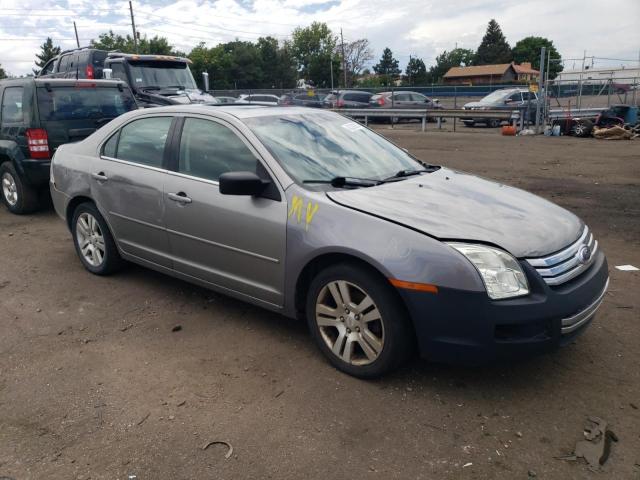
[(234, 242), (127, 183)]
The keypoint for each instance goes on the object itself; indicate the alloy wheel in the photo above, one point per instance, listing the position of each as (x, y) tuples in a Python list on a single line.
[(350, 323), (90, 239), (9, 189)]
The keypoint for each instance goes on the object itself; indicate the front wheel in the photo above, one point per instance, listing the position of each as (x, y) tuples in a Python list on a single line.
[(93, 241), (358, 321)]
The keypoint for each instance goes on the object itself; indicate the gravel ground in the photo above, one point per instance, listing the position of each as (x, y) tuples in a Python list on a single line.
[(95, 384)]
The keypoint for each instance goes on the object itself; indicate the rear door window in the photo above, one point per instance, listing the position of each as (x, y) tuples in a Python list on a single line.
[(143, 141), (83, 102), (48, 68), (209, 149), (117, 71), (402, 97), (12, 106), (416, 97)]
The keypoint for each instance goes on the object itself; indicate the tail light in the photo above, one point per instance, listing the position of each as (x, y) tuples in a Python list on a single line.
[(38, 142), (381, 101), (89, 71), (340, 103)]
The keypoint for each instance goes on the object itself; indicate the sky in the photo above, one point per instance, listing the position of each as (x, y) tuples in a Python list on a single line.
[(422, 28)]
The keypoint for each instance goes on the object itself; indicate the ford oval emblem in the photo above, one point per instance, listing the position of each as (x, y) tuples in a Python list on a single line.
[(584, 254)]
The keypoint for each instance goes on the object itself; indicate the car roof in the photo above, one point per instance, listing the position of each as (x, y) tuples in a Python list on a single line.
[(62, 82), (236, 110)]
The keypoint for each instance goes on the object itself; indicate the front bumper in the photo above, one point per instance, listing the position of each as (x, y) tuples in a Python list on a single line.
[(456, 326)]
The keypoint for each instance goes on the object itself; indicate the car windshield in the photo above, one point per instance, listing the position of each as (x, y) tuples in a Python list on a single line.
[(161, 74), (495, 96), (83, 101), (323, 146)]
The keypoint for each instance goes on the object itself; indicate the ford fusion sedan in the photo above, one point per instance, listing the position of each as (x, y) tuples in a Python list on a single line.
[(307, 213)]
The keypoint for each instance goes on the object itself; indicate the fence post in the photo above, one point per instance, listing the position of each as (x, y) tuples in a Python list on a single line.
[(424, 121), (455, 105)]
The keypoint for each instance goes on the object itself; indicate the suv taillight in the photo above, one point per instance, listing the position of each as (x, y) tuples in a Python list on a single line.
[(38, 142), (89, 71), (340, 103), (381, 101)]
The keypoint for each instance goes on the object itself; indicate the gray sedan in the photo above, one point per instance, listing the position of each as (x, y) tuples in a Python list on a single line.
[(310, 214)]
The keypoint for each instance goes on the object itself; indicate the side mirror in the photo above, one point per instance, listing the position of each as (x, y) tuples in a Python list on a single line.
[(241, 183), (106, 73)]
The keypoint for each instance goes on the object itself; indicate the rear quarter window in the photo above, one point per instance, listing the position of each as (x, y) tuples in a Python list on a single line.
[(12, 105), (74, 103)]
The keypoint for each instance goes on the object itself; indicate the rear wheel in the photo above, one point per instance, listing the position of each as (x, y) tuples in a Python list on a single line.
[(93, 241), (493, 123), (16, 195), (358, 321), (582, 128)]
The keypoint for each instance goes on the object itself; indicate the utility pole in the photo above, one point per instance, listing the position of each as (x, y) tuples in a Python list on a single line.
[(76, 30), (344, 60), (541, 89), (133, 26), (331, 67), (579, 102)]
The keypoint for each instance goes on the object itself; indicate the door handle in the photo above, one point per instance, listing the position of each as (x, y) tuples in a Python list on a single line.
[(179, 197), (100, 176)]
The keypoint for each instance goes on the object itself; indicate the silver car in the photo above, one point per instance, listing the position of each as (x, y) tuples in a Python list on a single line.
[(310, 214)]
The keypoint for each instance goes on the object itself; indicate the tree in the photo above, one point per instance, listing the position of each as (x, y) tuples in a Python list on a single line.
[(356, 54), (528, 50), (416, 72), (47, 51), (494, 47), (278, 67), (387, 66), (3, 74), (146, 46), (313, 49), (455, 58)]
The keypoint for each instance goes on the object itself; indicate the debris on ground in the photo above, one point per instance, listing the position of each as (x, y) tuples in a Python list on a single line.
[(220, 442), (596, 447), (143, 419), (627, 268), (177, 328), (613, 133)]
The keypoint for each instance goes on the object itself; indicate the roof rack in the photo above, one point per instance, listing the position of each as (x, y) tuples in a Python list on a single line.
[(78, 48)]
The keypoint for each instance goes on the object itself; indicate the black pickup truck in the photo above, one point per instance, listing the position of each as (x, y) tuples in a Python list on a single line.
[(38, 115)]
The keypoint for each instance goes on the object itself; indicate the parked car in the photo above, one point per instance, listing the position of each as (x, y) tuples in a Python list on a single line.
[(306, 100), (226, 100), (347, 99), (403, 100), (504, 99), (260, 99), (77, 63), (285, 100), (36, 117), (311, 215), (153, 79)]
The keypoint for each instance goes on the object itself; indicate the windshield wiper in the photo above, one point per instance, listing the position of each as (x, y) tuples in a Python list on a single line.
[(404, 173), (151, 87), (179, 87), (341, 182)]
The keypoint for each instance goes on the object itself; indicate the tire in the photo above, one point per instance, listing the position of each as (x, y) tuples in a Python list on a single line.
[(19, 197), (367, 347), (582, 128), (93, 241), (493, 122)]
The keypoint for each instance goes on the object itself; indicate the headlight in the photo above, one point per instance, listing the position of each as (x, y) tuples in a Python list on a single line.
[(500, 272)]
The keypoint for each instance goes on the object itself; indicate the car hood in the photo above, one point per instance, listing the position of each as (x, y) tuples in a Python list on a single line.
[(477, 104), (452, 205)]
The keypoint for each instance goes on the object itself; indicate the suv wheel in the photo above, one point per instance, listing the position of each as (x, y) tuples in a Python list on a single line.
[(93, 241), (358, 321), (494, 122), (18, 197)]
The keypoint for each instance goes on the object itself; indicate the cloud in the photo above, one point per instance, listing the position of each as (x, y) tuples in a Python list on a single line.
[(422, 28)]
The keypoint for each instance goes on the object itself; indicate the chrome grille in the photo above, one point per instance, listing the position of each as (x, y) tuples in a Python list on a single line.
[(566, 264)]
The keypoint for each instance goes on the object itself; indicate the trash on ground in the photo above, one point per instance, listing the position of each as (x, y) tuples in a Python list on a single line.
[(627, 268), (177, 328), (613, 133), (220, 442), (596, 447)]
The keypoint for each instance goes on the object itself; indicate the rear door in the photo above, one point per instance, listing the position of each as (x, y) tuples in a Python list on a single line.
[(127, 182), (402, 100), (72, 112)]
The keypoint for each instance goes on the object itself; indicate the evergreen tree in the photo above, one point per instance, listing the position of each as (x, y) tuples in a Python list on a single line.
[(3, 74), (387, 66), (47, 52), (494, 47), (416, 72), (528, 50)]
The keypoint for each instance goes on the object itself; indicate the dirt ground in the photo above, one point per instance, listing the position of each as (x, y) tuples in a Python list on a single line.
[(95, 384)]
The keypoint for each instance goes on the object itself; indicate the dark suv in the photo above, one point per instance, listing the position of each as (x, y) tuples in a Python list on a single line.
[(36, 116), (78, 63)]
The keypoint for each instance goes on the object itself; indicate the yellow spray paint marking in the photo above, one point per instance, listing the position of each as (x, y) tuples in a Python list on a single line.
[(311, 211), (297, 205)]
